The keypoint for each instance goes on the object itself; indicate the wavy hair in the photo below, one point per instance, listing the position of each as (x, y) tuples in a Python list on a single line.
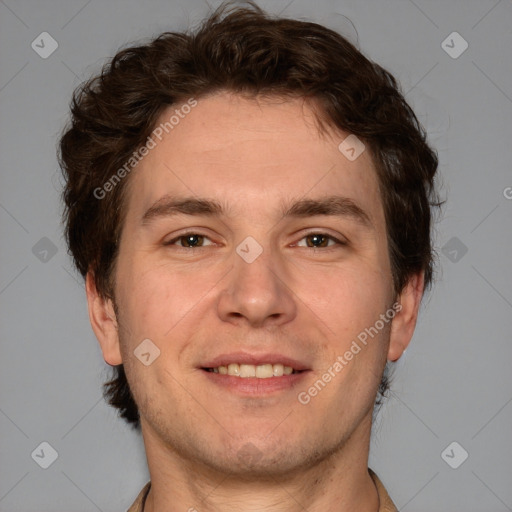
[(240, 49)]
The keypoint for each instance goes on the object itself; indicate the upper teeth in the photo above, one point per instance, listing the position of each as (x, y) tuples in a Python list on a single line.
[(262, 371)]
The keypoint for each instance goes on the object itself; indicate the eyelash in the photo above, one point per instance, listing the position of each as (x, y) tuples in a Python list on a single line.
[(313, 233)]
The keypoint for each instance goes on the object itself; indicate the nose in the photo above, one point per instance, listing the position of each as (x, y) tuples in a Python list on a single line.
[(258, 293)]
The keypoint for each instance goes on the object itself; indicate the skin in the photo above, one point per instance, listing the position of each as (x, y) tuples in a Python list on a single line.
[(253, 156)]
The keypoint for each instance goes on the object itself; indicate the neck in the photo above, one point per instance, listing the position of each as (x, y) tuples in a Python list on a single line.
[(338, 482)]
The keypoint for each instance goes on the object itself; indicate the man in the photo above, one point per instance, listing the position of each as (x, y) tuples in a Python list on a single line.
[(250, 205)]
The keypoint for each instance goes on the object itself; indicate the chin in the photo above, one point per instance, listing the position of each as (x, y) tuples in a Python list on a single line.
[(264, 459)]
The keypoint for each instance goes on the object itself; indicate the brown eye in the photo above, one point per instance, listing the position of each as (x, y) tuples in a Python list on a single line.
[(192, 240), (317, 240), (189, 241)]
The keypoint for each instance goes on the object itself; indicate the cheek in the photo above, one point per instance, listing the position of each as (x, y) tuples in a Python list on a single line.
[(155, 296), (143, 300), (346, 299)]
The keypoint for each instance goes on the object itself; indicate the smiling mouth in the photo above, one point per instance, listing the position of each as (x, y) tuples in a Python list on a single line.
[(261, 371)]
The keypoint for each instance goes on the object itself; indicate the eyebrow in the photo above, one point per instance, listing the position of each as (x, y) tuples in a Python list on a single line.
[(336, 206), (168, 206)]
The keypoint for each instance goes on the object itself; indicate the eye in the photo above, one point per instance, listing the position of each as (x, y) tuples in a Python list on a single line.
[(319, 240), (189, 240)]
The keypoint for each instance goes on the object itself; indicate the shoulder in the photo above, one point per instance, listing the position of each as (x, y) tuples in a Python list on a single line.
[(386, 505), (138, 504)]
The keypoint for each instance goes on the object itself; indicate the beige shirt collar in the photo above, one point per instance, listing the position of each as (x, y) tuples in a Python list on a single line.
[(386, 505)]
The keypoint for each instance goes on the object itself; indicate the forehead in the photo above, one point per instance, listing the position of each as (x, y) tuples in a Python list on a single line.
[(251, 153)]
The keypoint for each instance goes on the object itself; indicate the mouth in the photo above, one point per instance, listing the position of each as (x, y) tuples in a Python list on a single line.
[(254, 375), (260, 371)]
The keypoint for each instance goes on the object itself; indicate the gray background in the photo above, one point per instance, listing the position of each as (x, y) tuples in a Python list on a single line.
[(453, 383)]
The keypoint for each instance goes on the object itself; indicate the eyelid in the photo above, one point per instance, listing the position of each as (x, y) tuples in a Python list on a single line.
[(176, 237), (340, 240)]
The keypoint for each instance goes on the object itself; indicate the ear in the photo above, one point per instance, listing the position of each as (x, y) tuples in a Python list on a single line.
[(103, 321), (404, 322)]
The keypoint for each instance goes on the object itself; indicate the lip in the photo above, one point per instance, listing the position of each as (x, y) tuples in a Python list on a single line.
[(255, 359), (252, 386)]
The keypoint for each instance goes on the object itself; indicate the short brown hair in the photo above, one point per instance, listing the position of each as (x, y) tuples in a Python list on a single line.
[(246, 51)]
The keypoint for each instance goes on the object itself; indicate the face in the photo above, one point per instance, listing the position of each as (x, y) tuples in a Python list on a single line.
[(252, 244)]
